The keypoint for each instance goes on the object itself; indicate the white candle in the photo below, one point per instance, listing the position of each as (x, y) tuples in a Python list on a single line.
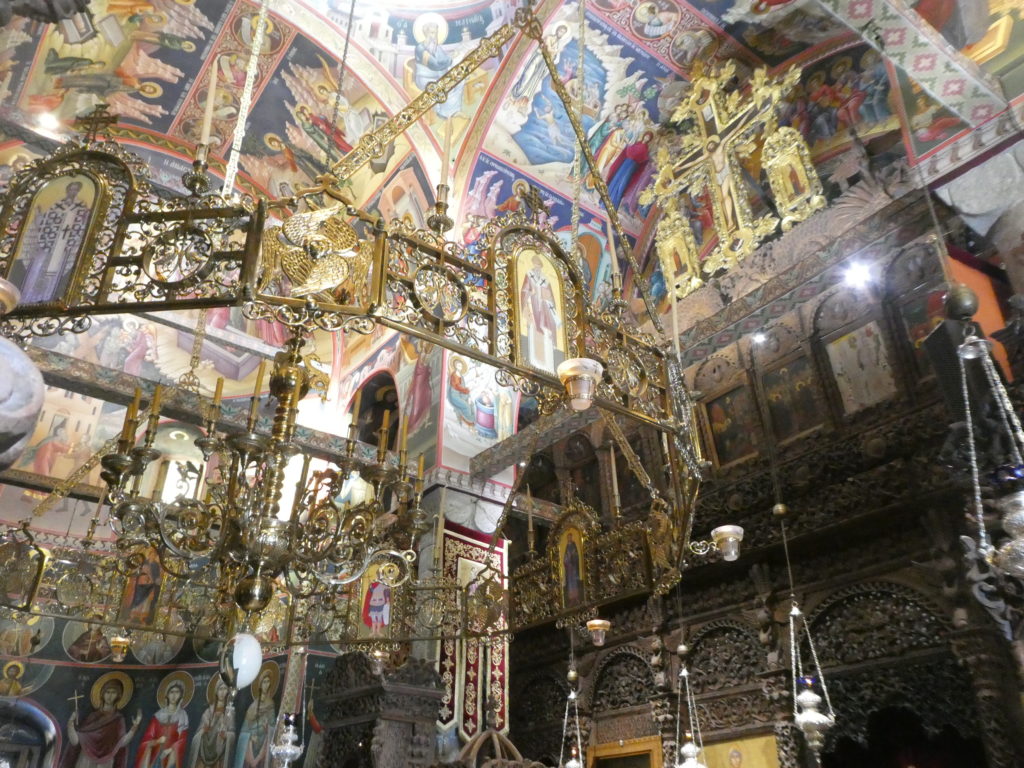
[(447, 158), (211, 100)]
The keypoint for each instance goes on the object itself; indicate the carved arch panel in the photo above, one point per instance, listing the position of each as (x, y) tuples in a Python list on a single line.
[(725, 654), (875, 620), (622, 679)]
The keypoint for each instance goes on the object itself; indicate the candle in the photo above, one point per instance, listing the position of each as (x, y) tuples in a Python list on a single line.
[(404, 441), (386, 422), (128, 428), (211, 100), (259, 378), (674, 298), (529, 510), (254, 404), (218, 392), (615, 480), (419, 467), (447, 159), (158, 397), (354, 424)]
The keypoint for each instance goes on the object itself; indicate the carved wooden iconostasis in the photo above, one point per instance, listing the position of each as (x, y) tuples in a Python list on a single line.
[(837, 389)]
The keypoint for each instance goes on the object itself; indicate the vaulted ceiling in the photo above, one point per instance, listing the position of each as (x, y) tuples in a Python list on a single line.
[(947, 67)]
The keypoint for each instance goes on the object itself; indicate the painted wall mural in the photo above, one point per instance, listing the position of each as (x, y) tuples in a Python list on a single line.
[(846, 92), (132, 714), (478, 413)]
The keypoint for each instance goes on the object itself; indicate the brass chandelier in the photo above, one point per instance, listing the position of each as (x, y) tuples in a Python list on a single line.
[(239, 529)]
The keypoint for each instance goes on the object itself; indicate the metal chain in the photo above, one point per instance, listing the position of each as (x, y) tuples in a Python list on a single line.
[(794, 654), (984, 545), (245, 101), (817, 668), (565, 733), (341, 83), (190, 379), (1007, 413)]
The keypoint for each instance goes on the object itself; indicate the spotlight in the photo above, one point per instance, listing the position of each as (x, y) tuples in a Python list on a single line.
[(48, 122), (857, 275), (759, 338)]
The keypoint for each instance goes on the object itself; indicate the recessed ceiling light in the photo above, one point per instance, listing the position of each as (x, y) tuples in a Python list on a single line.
[(857, 275), (48, 121), (759, 338)]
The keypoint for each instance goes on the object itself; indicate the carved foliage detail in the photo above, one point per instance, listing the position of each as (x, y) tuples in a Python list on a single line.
[(724, 656), (624, 681), (873, 621)]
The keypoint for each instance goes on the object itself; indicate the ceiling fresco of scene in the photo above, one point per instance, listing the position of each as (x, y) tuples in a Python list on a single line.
[(153, 62)]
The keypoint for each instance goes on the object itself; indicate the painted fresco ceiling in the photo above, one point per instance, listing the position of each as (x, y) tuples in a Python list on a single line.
[(152, 62)]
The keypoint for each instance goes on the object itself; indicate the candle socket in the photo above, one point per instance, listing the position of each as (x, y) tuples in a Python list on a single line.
[(197, 180), (439, 221)]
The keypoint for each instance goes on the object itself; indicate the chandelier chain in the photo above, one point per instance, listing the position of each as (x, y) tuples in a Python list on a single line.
[(341, 81), (190, 379), (245, 101)]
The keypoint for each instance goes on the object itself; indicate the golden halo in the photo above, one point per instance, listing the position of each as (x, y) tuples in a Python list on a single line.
[(457, 364), (426, 18), (649, 10), (869, 58), (127, 688), (211, 690), (17, 664), (270, 669), (520, 187), (188, 688), (844, 64)]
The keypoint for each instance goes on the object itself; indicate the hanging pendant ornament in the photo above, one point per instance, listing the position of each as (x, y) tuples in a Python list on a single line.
[(808, 715), (287, 749), (688, 752), (575, 750)]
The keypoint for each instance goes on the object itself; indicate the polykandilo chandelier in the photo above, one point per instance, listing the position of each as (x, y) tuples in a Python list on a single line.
[(242, 529)]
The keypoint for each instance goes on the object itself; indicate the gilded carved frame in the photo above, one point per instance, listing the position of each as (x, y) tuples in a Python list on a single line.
[(118, 180)]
